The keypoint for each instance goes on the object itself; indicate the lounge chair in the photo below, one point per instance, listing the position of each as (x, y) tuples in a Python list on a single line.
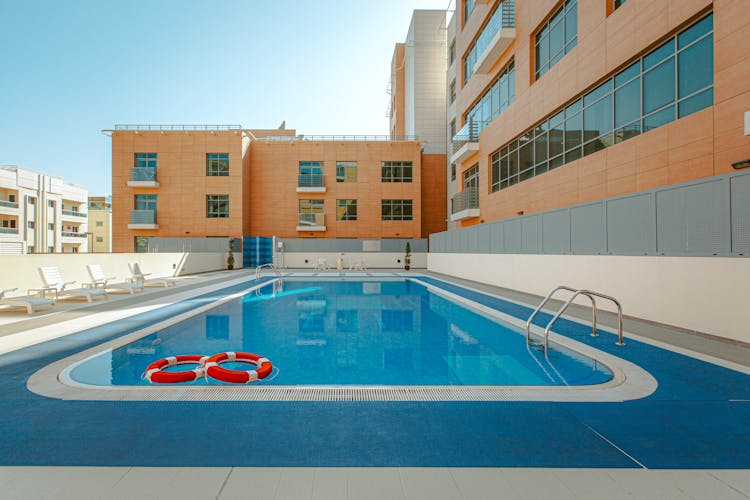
[(358, 265), (53, 283), (322, 264), (99, 280), (139, 277), (30, 303)]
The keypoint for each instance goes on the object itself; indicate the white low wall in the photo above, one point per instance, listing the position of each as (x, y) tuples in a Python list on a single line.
[(373, 260), (705, 294), (21, 271)]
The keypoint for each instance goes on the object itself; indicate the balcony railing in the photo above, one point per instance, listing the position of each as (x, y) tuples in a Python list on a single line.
[(503, 17), (143, 216), (310, 180), (143, 174), (74, 214), (341, 138), (468, 133), (8, 230), (177, 127), (8, 204), (312, 220), (73, 234), (468, 198)]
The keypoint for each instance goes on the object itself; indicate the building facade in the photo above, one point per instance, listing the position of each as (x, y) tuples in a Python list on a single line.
[(100, 223), (564, 102), (188, 182), (41, 214)]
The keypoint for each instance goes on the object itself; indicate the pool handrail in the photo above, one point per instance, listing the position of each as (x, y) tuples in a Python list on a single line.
[(269, 266), (546, 299)]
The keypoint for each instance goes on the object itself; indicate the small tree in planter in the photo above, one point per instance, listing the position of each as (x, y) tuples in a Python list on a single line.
[(407, 257), (230, 255)]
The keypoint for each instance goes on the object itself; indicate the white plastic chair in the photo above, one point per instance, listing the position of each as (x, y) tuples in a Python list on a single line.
[(99, 280), (30, 303), (53, 282), (139, 276)]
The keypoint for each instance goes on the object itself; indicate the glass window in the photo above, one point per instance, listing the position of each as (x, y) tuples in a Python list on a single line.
[(217, 206), (658, 86), (396, 210), (540, 146), (705, 25), (619, 3), (29, 249), (100, 239), (471, 177), (311, 212), (30, 224), (32, 201), (140, 243), (51, 226), (452, 92), (573, 132), (696, 66), (50, 203), (346, 209), (597, 118), (145, 160), (486, 109), (346, 171), (99, 223), (145, 202), (628, 103), (658, 119), (468, 9), (628, 73), (310, 174), (658, 55), (217, 164), (556, 38), (697, 102), (396, 171), (501, 17)]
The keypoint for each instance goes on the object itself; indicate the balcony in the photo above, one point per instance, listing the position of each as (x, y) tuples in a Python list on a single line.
[(496, 36), (143, 177), (143, 219), (72, 234), (8, 230), (73, 214), (465, 204), (311, 183), (8, 207), (311, 222), (466, 141)]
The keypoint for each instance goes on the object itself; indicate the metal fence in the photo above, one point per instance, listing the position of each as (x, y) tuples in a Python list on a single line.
[(709, 217), (351, 245)]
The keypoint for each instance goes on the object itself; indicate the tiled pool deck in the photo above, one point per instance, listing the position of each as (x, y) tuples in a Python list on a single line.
[(698, 418)]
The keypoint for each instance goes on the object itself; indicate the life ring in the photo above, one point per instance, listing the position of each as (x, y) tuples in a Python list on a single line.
[(262, 370), (155, 372)]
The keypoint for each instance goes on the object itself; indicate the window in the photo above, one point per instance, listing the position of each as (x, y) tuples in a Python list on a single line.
[(12, 198), (99, 223), (32, 201), (452, 92), (453, 172), (100, 239), (217, 206), (468, 9), (311, 212), (50, 203), (310, 174), (396, 210), (346, 171), (396, 171), (453, 128), (556, 38), (8, 223), (50, 226), (672, 81), (30, 224), (494, 101), (217, 164), (452, 53), (140, 243), (145, 160), (346, 209), (73, 249), (618, 3), (29, 249), (145, 202), (502, 17), (471, 178), (50, 249)]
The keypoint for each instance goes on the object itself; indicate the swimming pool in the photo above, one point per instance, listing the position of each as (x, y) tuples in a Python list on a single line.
[(332, 338), (352, 333)]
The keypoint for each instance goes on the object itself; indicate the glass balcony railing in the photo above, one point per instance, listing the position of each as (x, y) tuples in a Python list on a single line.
[(468, 198), (73, 234), (73, 213), (310, 180), (8, 230), (312, 220), (143, 174), (468, 133), (143, 216), (8, 204), (503, 17)]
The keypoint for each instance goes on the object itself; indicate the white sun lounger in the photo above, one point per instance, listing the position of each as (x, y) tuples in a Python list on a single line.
[(30, 303), (139, 276), (53, 283), (99, 280), (322, 264)]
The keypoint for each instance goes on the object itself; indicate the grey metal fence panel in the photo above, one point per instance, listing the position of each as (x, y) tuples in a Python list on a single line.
[(740, 189), (496, 237), (631, 225), (531, 234), (194, 245), (556, 232), (587, 229), (483, 238), (512, 236), (691, 219), (350, 245)]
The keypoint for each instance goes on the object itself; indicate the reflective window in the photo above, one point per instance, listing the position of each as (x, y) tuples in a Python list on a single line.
[(396, 210), (556, 38), (494, 101), (346, 171), (145, 160), (217, 164), (396, 171), (346, 209), (217, 206)]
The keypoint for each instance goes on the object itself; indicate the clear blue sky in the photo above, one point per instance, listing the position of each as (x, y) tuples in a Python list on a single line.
[(72, 68)]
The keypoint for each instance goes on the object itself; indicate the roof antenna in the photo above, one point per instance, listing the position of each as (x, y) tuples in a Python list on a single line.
[(283, 125)]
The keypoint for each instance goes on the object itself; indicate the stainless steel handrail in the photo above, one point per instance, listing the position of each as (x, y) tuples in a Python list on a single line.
[(269, 266), (546, 299)]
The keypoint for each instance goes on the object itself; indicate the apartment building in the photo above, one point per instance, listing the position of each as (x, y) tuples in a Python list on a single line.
[(41, 214), (100, 223), (562, 102), (228, 181)]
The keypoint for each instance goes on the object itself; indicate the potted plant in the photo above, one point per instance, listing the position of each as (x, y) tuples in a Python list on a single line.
[(230, 255), (407, 257)]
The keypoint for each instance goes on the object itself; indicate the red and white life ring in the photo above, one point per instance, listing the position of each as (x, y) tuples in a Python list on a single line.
[(155, 372), (262, 370)]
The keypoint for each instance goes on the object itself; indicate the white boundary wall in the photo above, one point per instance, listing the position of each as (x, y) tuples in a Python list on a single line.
[(21, 271), (373, 260), (705, 294)]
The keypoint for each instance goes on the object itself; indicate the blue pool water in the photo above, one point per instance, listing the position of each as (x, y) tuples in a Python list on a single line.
[(352, 332)]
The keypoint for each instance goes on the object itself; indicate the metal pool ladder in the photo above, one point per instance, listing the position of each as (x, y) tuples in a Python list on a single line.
[(574, 293), (268, 266)]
